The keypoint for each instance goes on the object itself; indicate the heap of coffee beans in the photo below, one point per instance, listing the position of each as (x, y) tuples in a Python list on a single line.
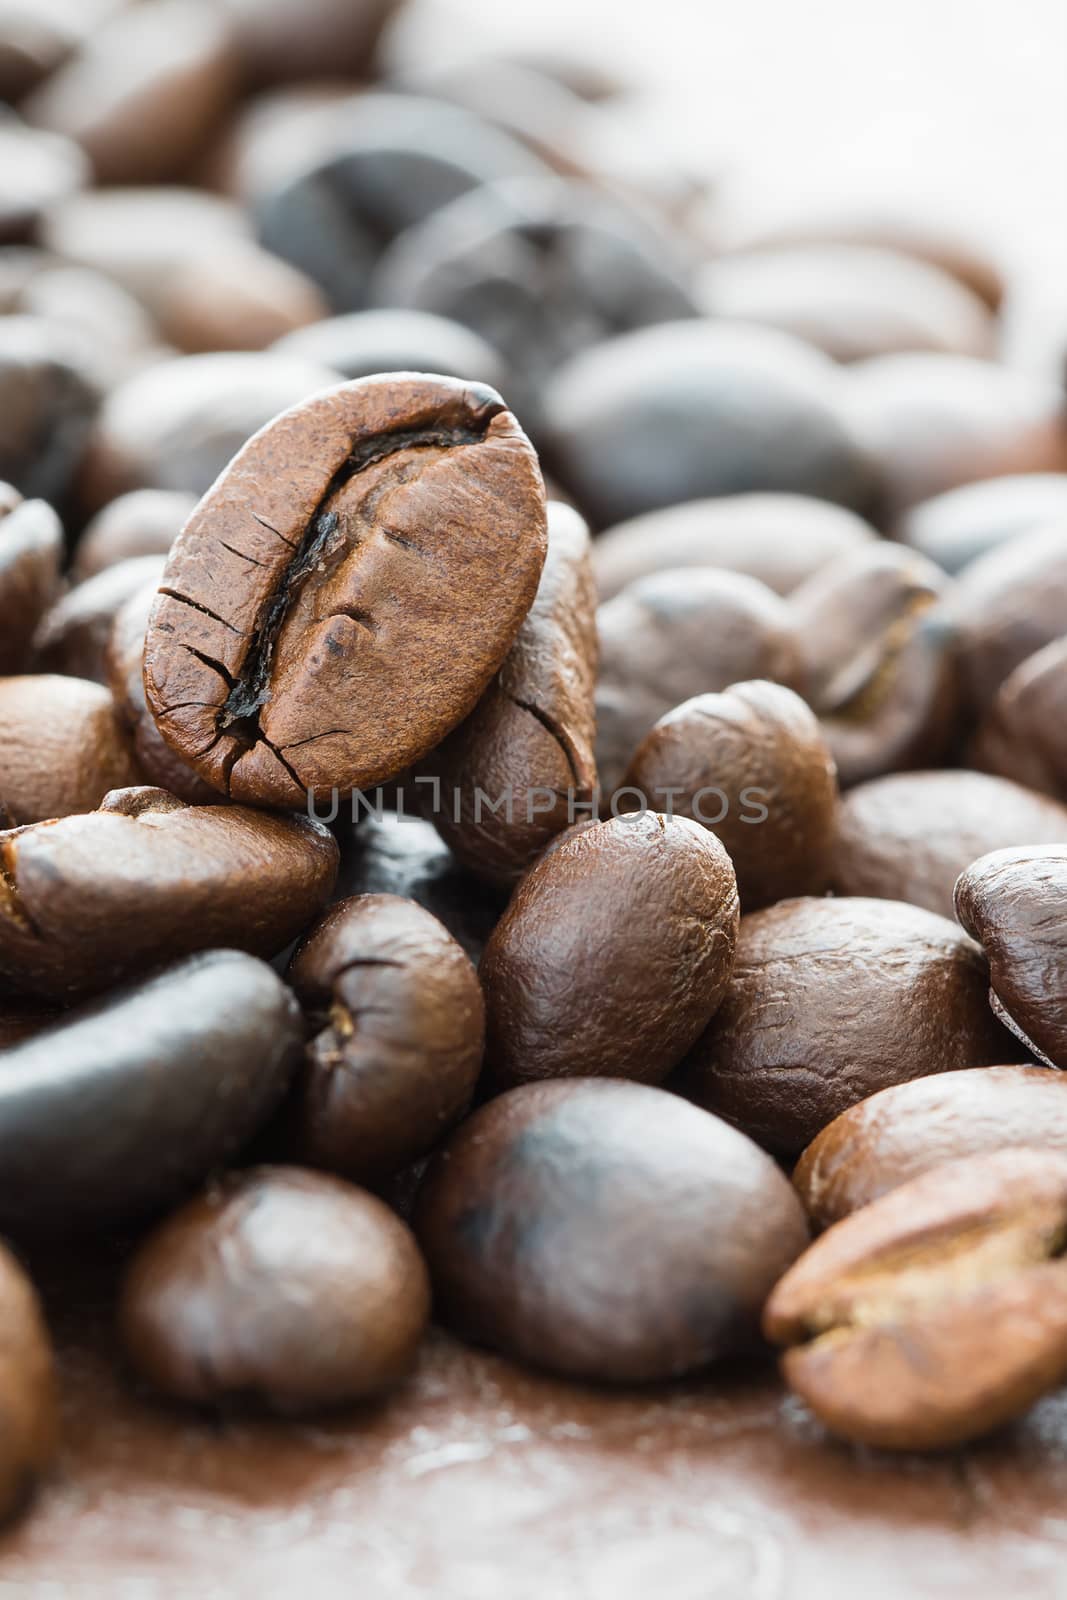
[(521, 732)]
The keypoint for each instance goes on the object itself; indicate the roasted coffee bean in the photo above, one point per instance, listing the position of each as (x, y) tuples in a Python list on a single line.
[(144, 522), (515, 773), (29, 1417), (364, 343), (905, 1130), (73, 635), (34, 40), (120, 1107), (289, 40), (400, 1036), (689, 409), (88, 901), (614, 952), (21, 1019), (781, 539), (881, 672), (832, 1000), (237, 298), (957, 527), (605, 1230), (39, 170), (937, 1313), (1014, 902), (62, 747), (31, 550), (752, 766), (47, 401), (1022, 735), (679, 633), (1009, 604), (342, 597), (910, 835)]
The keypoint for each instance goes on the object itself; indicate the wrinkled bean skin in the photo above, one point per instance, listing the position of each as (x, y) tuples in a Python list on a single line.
[(1022, 736), (31, 552), (29, 1414), (528, 1212), (62, 748)]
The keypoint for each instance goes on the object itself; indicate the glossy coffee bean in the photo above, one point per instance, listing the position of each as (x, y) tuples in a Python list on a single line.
[(939, 1312), (40, 169), (31, 550), (73, 635), (1014, 902), (752, 766), (280, 41), (781, 539), (881, 672), (910, 835), (280, 1286), (613, 953), (1022, 734), (693, 409), (178, 879), (399, 1036), (518, 768), (47, 401), (959, 526), (388, 533), (680, 633), (908, 1129), (530, 1211), (363, 343), (62, 747), (29, 1420), (144, 522), (1009, 604), (832, 1000)]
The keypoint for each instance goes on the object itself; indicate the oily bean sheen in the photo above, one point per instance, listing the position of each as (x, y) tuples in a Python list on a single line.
[(399, 1024), (285, 1287), (605, 1230), (831, 1000), (31, 550), (144, 522), (90, 900), (957, 527), (614, 952), (343, 595), (62, 748), (909, 1128), (119, 1107), (73, 635), (1014, 902), (1022, 736), (29, 1420), (937, 1313)]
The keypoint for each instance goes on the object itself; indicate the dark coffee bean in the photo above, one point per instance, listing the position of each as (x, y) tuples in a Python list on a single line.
[(389, 532), (1014, 902), (939, 1312), (1009, 604), (122, 1106), (33, 41), (400, 1036), (144, 522), (31, 550), (62, 747), (21, 1019), (905, 1130), (752, 766), (679, 633), (781, 539), (515, 772), (88, 901), (47, 402), (613, 953), (73, 635), (832, 1000), (689, 409), (957, 527), (881, 672), (239, 298), (39, 169), (605, 1230), (282, 41), (1022, 734), (364, 343), (29, 1416), (910, 835)]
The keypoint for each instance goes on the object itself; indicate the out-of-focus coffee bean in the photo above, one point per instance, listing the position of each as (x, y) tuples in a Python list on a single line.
[(62, 747), (1022, 736), (957, 527), (35, 38), (282, 41), (31, 550), (48, 402), (37, 169), (111, 334), (29, 1412), (240, 299), (363, 343), (73, 635), (1009, 604), (144, 522), (21, 1019)]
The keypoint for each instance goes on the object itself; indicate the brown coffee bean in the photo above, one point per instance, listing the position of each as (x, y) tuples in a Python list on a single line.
[(1014, 902), (831, 1000), (1008, 605), (959, 526), (527, 748), (239, 298), (48, 401), (752, 766), (903, 1131), (908, 836), (73, 635), (145, 522), (285, 1287), (939, 1312), (531, 1209), (40, 169), (21, 1019), (177, 879), (388, 533), (282, 41), (34, 40), (62, 747), (29, 1419), (400, 1023), (613, 953), (31, 551), (1021, 736)]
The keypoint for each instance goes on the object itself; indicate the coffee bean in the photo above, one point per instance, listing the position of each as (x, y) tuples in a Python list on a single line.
[(144, 522), (282, 1286), (62, 747), (1008, 605), (959, 526), (29, 1420), (290, 40), (21, 1019), (613, 953), (31, 550), (389, 532), (752, 766), (364, 343), (48, 402), (177, 879), (939, 1312), (122, 1106), (832, 1000), (908, 836), (73, 635), (530, 1211), (39, 169), (1021, 736), (107, 334), (236, 298), (907, 1129), (34, 41)]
